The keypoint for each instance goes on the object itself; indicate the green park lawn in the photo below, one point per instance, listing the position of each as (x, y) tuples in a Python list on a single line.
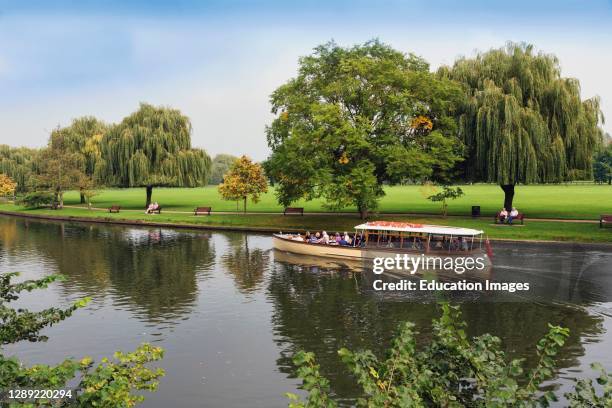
[(571, 201), (533, 230)]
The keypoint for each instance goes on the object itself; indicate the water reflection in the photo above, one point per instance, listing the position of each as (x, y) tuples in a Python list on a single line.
[(230, 312), (245, 263), (152, 271)]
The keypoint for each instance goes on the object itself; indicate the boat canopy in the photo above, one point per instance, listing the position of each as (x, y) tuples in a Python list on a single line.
[(420, 228)]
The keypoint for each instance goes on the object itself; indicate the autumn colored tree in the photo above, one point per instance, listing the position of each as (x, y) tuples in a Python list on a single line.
[(244, 179), (7, 185)]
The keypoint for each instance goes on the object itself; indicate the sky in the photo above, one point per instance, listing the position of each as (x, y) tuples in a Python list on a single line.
[(219, 61)]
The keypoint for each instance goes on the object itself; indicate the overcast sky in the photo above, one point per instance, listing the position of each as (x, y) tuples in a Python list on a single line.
[(218, 61)]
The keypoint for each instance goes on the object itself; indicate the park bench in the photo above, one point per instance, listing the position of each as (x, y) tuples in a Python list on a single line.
[(605, 219), (202, 210), (114, 209), (520, 217), (294, 210)]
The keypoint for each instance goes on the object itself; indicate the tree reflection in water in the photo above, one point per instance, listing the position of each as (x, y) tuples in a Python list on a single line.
[(155, 270), (246, 263), (321, 312)]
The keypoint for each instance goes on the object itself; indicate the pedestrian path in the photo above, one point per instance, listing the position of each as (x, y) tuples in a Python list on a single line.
[(384, 214)]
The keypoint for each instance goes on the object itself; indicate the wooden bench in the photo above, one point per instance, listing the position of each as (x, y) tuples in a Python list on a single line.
[(202, 210), (605, 219), (294, 210), (520, 217), (114, 209)]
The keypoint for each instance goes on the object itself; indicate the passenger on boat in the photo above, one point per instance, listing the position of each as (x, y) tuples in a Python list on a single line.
[(438, 244), (346, 239), (357, 240), (417, 244), (337, 238), (314, 239), (307, 236), (324, 239), (463, 245), (503, 214)]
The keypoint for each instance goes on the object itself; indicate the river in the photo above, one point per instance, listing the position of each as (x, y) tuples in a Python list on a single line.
[(230, 313)]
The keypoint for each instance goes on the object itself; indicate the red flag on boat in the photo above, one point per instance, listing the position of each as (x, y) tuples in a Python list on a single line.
[(489, 248)]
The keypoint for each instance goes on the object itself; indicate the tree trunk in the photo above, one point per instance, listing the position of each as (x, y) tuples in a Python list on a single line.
[(245, 200), (149, 194), (363, 213), (508, 195), (82, 196)]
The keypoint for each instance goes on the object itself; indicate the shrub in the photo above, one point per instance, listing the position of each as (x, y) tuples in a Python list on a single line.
[(36, 199), (450, 371), (109, 384)]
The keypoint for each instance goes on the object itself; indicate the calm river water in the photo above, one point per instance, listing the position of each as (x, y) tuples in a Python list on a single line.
[(230, 312)]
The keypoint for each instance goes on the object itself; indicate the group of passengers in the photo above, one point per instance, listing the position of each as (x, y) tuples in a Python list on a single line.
[(453, 244), (505, 215), (435, 243), (324, 238)]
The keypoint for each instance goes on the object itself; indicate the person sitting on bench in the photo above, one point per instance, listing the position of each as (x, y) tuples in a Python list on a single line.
[(152, 207), (513, 214), (503, 214)]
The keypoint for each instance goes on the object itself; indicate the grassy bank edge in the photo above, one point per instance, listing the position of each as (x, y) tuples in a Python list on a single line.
[(535, 231)]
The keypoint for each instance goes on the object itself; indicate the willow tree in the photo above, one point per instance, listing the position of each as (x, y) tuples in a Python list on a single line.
[(16, 162), (82, 138), (149, 148), (522, 122)]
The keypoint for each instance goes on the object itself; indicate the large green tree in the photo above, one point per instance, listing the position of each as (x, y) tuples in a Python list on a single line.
[(152, 147), (355, 118), (82, 138), (522, 122)]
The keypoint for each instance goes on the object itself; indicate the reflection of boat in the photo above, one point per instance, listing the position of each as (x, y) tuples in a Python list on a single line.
[(316, 261), (387, 238)]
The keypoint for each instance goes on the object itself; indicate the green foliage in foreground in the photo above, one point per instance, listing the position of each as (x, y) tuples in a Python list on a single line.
[(108, 384), (451, 371)]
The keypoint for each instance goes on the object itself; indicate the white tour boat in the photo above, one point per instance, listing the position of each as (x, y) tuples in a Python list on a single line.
[(387, 238)]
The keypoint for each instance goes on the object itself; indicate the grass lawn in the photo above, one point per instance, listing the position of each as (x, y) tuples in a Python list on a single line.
[(572, 201), (533, 230)]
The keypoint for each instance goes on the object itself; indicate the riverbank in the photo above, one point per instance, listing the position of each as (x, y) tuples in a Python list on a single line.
[(263, 222)]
